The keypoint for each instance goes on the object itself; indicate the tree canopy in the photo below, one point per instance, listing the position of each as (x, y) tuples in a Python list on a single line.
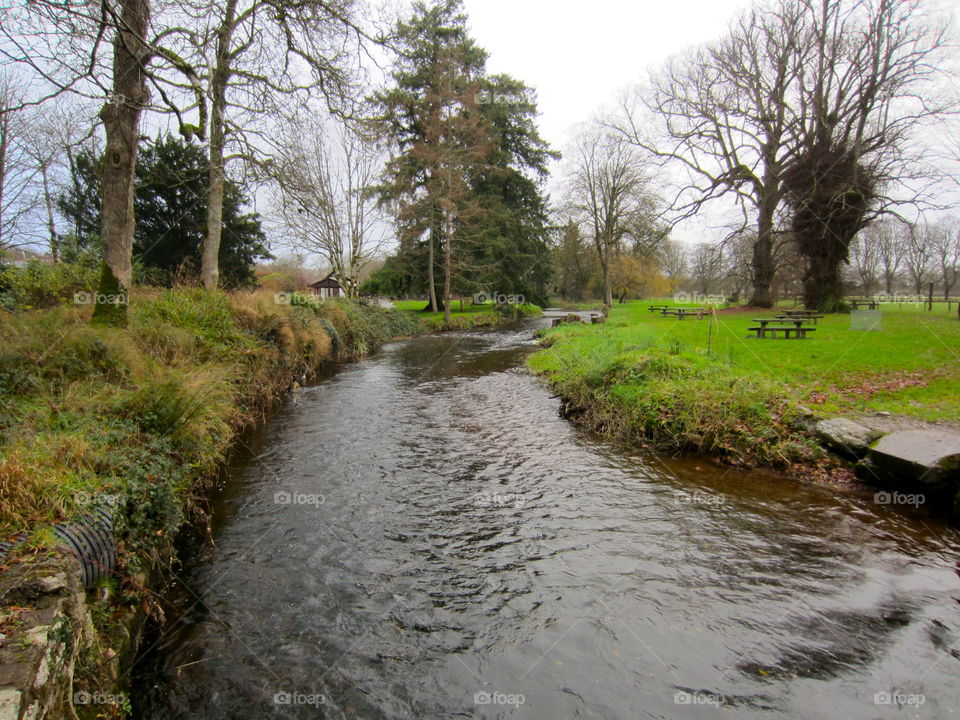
[(170, 203)]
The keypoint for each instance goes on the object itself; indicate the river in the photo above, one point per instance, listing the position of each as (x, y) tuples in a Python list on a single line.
[(420, 535)]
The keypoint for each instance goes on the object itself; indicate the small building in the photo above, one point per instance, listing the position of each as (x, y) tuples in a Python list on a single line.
[(329, 287)]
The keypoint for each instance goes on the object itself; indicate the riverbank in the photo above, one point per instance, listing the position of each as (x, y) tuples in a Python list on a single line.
[(138, 421), (704, 386), (467, 316), (459, 541)]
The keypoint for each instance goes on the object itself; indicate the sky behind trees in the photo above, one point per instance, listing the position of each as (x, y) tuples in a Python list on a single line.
[(579, 58)]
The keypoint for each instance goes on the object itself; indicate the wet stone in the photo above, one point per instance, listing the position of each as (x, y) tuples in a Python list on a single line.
[(927, 459), (846, 436)]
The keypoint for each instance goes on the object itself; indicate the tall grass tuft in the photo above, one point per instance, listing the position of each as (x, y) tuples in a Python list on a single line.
[(149, 411)]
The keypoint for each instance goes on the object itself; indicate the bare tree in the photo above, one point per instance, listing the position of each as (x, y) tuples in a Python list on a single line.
[(865, 262), (814, 106), (609, 193), (887, 237), (722, 116), (869, 88), (707, 267), (18, 172), (53, 131), (945, 249), (673, 262), (918, 257), (250, 55), (325, 177)]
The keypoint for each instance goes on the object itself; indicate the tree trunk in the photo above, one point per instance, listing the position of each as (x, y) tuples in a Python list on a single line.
[(607, 281), (4, 143), (430, 279), (447, 273), (763, 268), (823, 285), (121, 121), (51, 224), (210, 265)]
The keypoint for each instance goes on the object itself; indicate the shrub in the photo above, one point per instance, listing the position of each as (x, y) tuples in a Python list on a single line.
[(41, 285)]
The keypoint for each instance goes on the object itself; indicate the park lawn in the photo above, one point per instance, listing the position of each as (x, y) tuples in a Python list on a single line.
[(707, 385)]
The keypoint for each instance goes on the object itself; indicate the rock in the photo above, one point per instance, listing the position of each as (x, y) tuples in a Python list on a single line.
[(53, 583), (845, 436), (804, 419), (929, 459), (9, 704)]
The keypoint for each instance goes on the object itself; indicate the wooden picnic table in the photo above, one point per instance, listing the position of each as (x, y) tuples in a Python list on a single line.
[(681, 313), (797, 322), (796, 327), (869, 304), (812, 319), (655, 308)]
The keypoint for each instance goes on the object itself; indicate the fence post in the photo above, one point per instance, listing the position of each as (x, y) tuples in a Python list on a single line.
[(930, 298)]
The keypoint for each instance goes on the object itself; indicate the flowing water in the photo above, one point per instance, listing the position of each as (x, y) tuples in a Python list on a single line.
[(420, 535)]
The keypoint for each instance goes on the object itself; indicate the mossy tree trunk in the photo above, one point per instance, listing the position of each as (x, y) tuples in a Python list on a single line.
[(222, 72), (121, 120)]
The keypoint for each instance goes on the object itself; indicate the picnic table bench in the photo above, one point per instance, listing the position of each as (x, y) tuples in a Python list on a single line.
[(805, 316), (796, 327), (681, 313), (656, 308)]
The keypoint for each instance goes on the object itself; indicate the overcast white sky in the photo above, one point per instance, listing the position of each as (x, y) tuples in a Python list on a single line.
[(578, 56)]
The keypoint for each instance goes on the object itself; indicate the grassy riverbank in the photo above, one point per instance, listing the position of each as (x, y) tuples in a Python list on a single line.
[(148, 413), (705, 386), (465, 315)]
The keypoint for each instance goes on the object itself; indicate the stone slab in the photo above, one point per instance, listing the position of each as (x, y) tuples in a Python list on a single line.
[(930, 448)]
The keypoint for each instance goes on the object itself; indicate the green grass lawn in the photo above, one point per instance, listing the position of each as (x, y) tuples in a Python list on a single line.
[(705, 384), (910, 366)]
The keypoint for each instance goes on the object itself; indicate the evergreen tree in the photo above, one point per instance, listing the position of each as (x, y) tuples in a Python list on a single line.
[(466, 181), (170, 210)]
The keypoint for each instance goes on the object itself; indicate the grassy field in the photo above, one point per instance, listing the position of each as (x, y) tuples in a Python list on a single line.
[(704, 384), (465, 315)]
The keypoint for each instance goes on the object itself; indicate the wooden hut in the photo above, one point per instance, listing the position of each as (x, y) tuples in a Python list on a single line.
[(329, 287)]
